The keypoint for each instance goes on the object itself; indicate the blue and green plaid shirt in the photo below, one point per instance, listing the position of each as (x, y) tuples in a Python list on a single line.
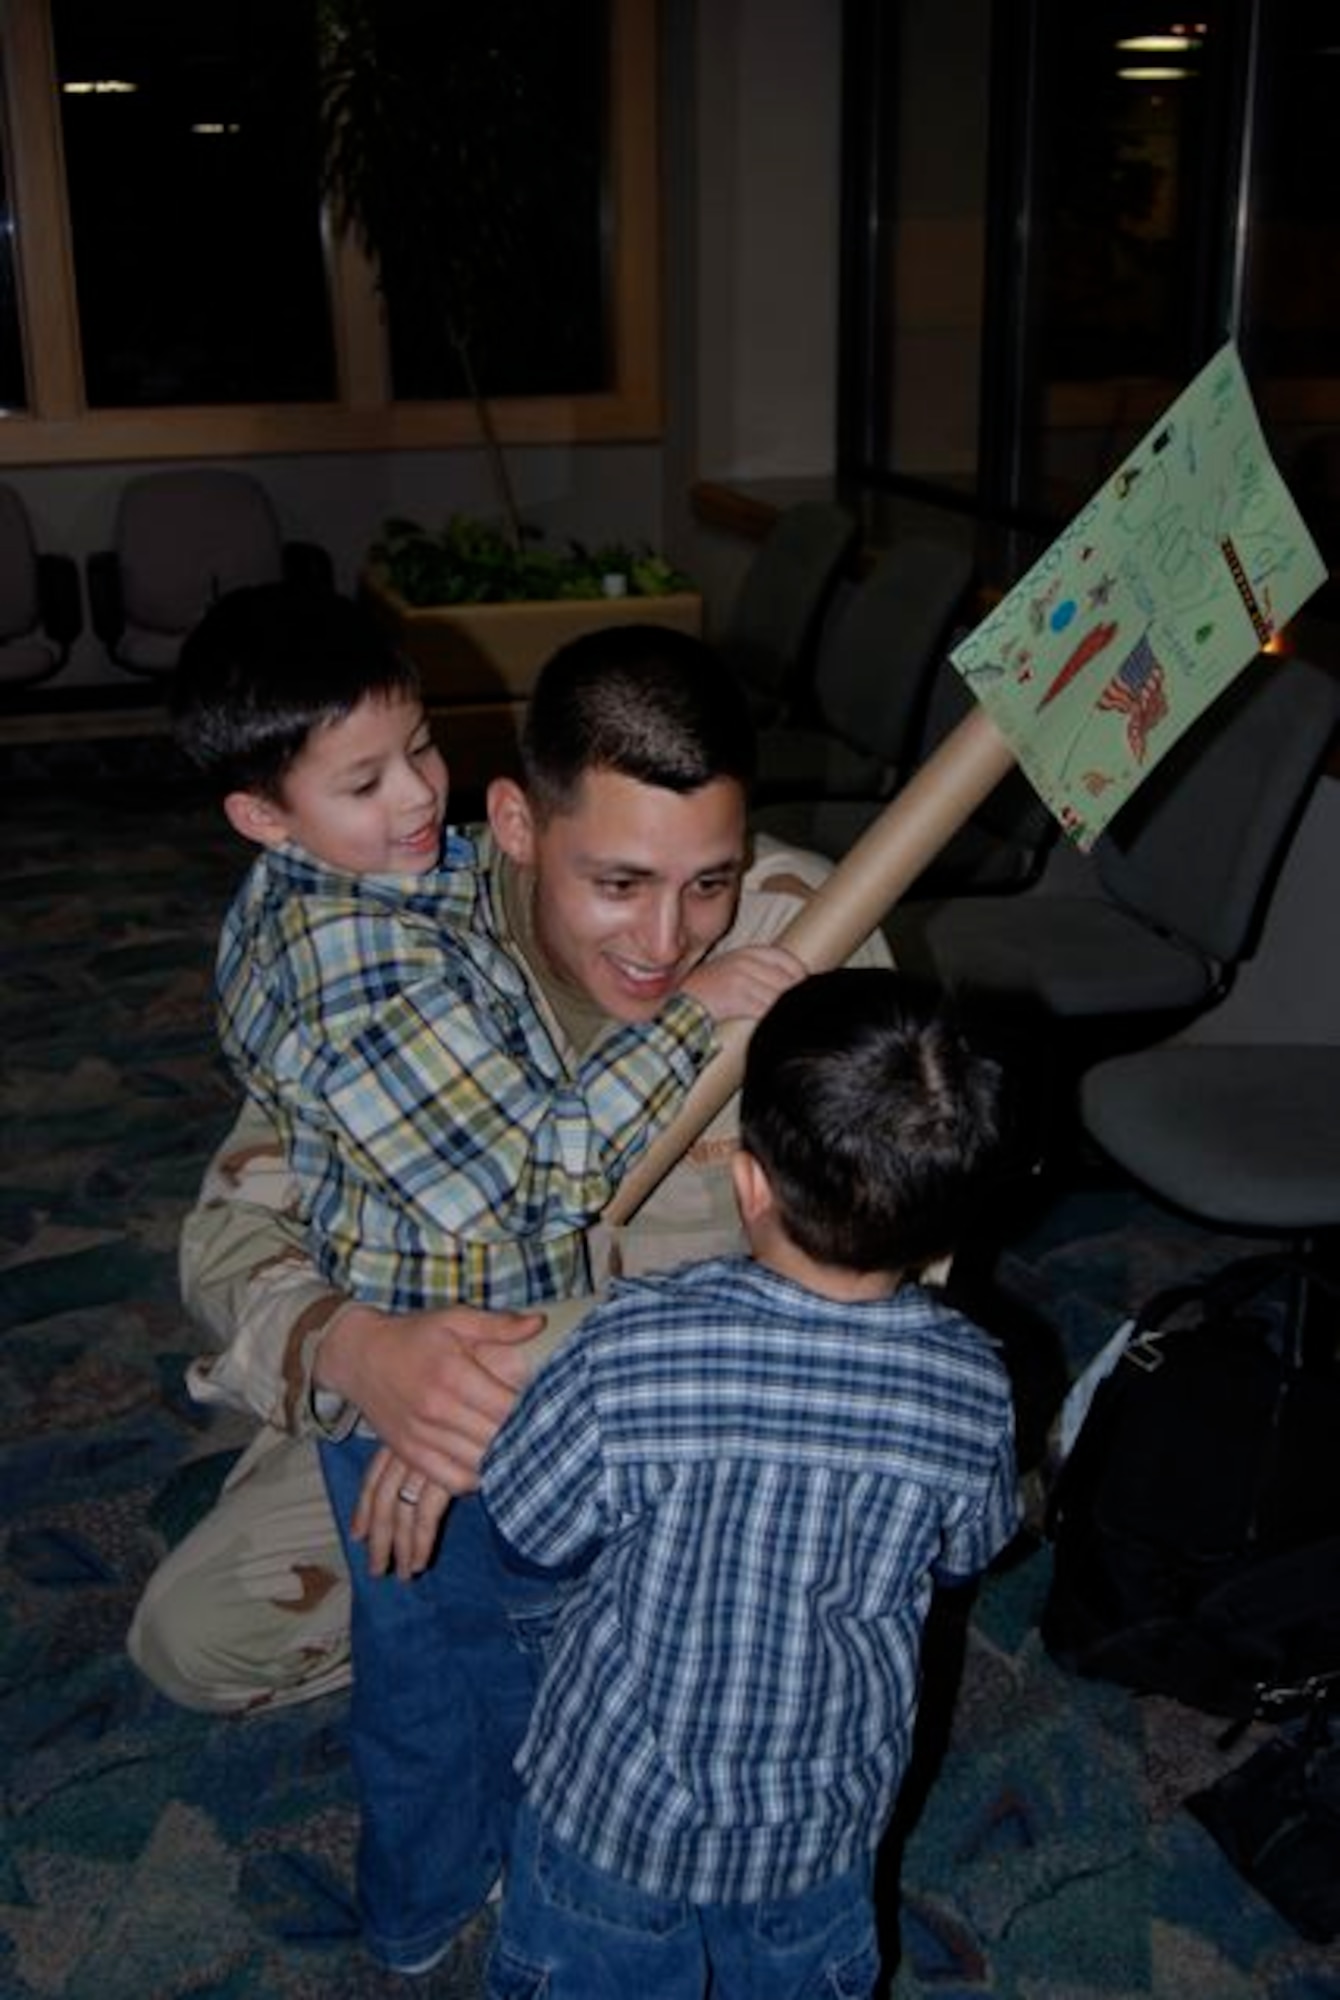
[(443, 1148), (763, 1486)]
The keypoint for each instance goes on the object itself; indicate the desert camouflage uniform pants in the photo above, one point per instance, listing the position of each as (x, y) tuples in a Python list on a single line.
[(251, 1609)]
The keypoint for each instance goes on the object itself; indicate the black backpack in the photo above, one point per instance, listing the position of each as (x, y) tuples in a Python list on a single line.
[(1196, 1522)]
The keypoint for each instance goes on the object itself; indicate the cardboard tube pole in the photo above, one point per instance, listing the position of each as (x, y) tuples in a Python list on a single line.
[(931, 807)]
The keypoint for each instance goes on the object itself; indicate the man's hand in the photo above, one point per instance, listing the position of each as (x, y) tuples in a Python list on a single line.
[(742, 984), (434, 1386)]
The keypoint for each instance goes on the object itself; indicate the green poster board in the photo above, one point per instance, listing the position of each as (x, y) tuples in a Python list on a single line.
[(1163, 588)]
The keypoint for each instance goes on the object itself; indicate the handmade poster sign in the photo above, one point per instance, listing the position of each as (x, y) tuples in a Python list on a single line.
[(1165, 586), (1170, 580)]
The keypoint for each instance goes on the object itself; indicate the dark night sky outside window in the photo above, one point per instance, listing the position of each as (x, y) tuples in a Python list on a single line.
[(1293, 287), (1116, 198), (536, 80), (194, 202)]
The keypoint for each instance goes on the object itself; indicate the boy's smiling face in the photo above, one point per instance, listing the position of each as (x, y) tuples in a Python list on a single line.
[(366, 794)]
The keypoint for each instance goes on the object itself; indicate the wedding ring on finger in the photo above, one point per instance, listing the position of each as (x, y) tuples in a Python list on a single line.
[(410, 1496)]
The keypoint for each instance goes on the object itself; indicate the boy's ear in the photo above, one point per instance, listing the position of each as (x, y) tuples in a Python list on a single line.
[(256, 818), (512, 820), (753, 1189)]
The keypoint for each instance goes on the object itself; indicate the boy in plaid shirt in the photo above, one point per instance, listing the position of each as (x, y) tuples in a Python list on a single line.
[(442, 1148), (752, 1472)]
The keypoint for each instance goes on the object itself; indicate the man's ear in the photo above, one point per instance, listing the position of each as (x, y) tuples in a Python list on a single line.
[(512, 820), (256, 818), (753, 1189)]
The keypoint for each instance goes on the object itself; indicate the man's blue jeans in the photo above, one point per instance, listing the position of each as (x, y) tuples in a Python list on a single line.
[(573, 1932), (442, 1692)]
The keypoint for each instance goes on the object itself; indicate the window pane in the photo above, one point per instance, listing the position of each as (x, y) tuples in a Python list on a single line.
[(1119, 223), (935, 244), (192, 169), (1157, 183), (1292, 306), (508, 108), (1122, 127), (13, 384), (1293, 303)]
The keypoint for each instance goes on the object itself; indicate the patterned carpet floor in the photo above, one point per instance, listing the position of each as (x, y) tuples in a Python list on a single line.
[(151, 1854)]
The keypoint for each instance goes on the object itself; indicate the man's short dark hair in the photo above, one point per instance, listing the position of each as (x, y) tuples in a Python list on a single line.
[(643, 700), (267, 665), (877, 1123)]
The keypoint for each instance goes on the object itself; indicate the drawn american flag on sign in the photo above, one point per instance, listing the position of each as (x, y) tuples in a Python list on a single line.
[(1138, 691)]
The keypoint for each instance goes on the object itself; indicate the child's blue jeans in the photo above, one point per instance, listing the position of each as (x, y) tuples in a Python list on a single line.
[(570, 1931), (442, 1691)]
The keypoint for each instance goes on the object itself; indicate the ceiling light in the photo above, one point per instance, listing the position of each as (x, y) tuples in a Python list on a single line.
[(1159, 44)]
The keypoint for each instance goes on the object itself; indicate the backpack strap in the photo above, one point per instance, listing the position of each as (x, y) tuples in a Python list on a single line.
[(1222, 1295)]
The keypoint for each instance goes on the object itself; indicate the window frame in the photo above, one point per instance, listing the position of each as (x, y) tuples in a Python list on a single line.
[(58, 427)]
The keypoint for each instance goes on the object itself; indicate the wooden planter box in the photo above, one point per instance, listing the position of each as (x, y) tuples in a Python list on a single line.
[(478, 662)]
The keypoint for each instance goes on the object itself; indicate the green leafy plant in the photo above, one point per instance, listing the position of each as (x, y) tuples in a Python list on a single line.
[(471, 562)]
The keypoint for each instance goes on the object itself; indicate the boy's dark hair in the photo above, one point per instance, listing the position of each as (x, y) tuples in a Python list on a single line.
[(643, 700), (266, 666), (876, 1123)]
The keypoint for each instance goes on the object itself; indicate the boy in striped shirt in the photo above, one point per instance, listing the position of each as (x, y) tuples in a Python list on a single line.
[(751, 1473)]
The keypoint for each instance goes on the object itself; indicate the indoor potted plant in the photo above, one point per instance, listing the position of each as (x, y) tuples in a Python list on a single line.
[(480, 615)]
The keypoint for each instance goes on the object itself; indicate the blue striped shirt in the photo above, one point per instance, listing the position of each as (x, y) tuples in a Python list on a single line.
[(763, 1485), (442, 1146)]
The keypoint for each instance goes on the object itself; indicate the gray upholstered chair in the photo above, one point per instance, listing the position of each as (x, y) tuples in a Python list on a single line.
[(870, 684), (1173, 896), (184, 538), (1246, 1136), (40, 612), (770, 633), (1001, 847)]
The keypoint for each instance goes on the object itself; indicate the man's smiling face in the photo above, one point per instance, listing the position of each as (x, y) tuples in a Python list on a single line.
[(634, 884)]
